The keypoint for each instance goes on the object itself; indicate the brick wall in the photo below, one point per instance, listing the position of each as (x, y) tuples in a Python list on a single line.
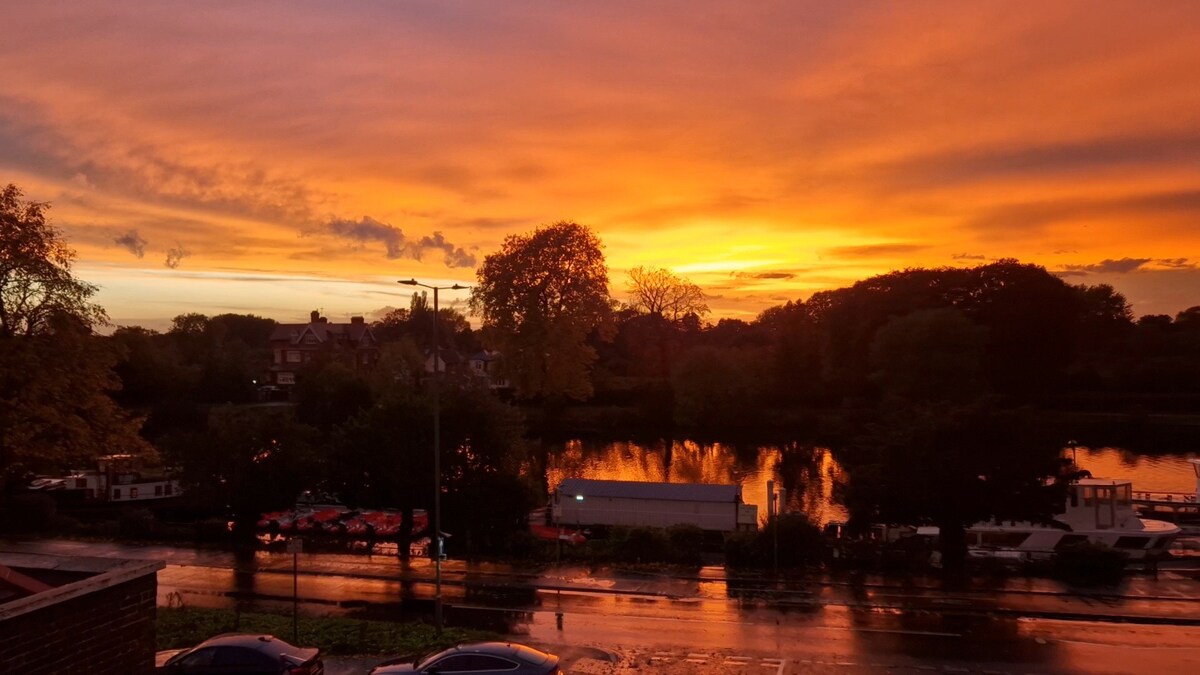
[(109, 631)]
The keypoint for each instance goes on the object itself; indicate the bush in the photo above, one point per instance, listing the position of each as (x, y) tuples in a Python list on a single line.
[(799, 541), (28, 513), (185, 627), (136, 524), (213, 529), (1088, 564), (686, 542), (640, 544)]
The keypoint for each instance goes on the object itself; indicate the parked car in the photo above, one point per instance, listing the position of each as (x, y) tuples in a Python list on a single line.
[(242, 654), (478, 658)]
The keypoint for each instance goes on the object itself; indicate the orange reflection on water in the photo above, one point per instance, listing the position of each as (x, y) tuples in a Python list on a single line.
[(808, 473)]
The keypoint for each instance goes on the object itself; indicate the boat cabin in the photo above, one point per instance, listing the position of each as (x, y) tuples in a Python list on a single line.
[(1100, 504)]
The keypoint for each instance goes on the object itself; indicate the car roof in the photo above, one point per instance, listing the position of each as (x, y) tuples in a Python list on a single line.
[(509, 649), (261, 642)]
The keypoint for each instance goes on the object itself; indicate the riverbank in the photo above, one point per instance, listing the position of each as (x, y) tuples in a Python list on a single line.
[(372, 586)]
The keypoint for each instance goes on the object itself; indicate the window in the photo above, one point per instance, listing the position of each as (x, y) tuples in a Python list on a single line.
[(278, 356), (1070, 540), (158, 490), (133, 493), (285, 378), (1088, 496), (196, 659), (293, 356), (310, 339), (116, 493), (473, 663), (453, 664), (1123, 495), (241, 659), (1003, 539), (1132, 542)]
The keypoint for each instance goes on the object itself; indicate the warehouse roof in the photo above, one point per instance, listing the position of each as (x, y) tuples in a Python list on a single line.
[(628, 489)]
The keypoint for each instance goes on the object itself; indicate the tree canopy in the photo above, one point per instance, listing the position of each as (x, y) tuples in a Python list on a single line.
[(56, 377), (35, 271), (540, 297), (654, 290)]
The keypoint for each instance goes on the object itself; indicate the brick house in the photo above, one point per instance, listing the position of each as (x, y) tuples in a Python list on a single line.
[(69, 614), (485, 365), (295, 344)]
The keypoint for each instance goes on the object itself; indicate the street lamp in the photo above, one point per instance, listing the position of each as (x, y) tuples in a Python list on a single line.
[(436, 539)]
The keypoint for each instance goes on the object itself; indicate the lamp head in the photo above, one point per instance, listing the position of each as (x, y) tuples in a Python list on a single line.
[(408, 282)]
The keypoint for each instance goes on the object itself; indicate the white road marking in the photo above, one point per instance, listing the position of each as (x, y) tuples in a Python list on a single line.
[(890, 630)]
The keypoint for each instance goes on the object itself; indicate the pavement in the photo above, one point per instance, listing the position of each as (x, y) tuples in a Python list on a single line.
[(337, 583), (618, 621)]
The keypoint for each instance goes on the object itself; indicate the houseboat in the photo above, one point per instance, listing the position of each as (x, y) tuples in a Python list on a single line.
[(117, 480), (1097, 510)]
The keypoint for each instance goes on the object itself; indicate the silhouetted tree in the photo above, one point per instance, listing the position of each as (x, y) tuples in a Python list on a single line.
[(658, 291), (250, 460), (36, 282), (951, 467), (55, 376), (541, 296), (929, 355)]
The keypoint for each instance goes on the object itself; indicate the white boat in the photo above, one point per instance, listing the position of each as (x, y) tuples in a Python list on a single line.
[(1097, 510), (116, 480)]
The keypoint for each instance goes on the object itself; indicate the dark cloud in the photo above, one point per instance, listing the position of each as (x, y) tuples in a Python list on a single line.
[(454, 256), (763, 275), (875, 250), (367, 229), (131, 241), (1053, 159), (397, 245), (1109, 266), (1019, 221), (175, 256), (968, 256), (1176, 263)]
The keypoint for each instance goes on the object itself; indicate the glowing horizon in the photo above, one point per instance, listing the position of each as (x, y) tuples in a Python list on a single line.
[(285, 157)]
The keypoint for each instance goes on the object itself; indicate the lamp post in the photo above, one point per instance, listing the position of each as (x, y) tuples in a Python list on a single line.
[(436, 539)]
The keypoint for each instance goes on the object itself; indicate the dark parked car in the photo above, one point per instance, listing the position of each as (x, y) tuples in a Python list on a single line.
[(478, 658), (241, 654)]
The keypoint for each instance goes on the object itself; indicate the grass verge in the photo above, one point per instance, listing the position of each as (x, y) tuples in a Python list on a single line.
[(188, 626)]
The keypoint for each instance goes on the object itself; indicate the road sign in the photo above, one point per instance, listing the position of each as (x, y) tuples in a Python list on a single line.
[(295, 545)]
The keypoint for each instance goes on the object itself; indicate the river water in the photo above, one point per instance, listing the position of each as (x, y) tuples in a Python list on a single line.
[(809, 473)]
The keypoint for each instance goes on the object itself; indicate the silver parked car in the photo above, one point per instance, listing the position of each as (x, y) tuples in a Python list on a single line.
[(477, 658)]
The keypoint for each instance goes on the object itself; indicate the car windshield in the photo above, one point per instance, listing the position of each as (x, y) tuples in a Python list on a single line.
[(425, 658), (178, 656)]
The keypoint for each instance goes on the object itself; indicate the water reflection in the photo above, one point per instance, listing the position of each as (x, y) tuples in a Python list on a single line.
[(808, 472), (1165, 473)]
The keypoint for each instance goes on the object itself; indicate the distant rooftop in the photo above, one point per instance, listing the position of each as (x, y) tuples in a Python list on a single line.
[(1104, 482), (627, 489)]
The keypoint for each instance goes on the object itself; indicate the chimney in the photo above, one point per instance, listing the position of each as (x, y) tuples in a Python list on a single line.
[(356, 320), (314, 317)]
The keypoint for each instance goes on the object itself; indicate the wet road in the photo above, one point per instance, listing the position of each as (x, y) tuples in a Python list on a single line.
[(865, 624)]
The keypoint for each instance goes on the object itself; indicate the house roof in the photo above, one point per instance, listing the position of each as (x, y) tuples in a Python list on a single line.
[(627, 489), (293, 332)]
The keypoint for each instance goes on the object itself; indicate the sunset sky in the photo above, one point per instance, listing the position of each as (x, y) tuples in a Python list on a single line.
[(275, 158)]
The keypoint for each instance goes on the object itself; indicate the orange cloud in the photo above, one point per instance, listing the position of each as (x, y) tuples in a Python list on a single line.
[(406, 139)]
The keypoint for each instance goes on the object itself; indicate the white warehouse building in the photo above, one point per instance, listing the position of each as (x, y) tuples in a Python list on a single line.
[(716, 508)]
